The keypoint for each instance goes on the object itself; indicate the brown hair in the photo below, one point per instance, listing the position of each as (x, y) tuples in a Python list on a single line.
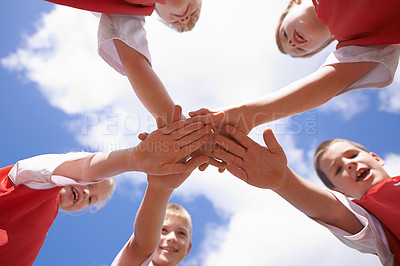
[(183, 27), (278, 40), (178, 211), (321, 149)]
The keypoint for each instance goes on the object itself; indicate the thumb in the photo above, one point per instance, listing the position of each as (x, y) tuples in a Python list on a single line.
[(271, 142)]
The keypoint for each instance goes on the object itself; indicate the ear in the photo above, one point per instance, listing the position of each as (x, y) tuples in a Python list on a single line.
[(189, 248), (377, 158)]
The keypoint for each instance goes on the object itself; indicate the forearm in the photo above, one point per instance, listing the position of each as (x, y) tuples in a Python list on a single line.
[(297, 97), (145, 82), (304, 94), (100, 165), (317, 203), (150, 218)]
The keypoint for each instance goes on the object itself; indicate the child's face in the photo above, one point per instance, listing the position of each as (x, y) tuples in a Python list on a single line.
[(178, 11), (351, 170), (301, 32), (175, 242), (76, 197)]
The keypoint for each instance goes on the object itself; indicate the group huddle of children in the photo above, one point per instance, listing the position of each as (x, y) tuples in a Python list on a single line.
[(360, 208)]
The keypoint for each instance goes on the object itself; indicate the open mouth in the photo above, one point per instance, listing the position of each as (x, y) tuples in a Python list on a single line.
[(298, 38), (362, 174), (169, 249)]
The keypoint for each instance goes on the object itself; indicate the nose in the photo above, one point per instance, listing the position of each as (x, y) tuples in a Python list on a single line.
[(184, 20), (351, 165), (291, 43), (171, 236), (86, 193)]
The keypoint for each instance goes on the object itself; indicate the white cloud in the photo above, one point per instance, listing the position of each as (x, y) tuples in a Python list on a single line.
[(392, 164), (229, 58), (347, 105), (390, 97), (61, 58)]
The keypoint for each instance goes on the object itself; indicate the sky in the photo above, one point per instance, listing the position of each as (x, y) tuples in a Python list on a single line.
[(59, 96)]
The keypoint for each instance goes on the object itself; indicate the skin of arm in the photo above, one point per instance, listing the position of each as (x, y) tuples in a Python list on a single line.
[(160, 153), (145, 82), (297, 97), (266, 167), (150, 216)]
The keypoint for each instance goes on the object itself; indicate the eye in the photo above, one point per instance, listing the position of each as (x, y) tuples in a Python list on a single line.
[(182, 233), (354, 155), (338, 170), (163, 230), (300, 49), (284, 34)]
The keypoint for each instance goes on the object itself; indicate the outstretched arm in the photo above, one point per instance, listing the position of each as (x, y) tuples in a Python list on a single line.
[(300, 96), (150, 216), (145, 82), (266, 167)]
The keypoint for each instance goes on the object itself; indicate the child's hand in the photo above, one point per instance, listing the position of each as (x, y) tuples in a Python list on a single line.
[(161, 151), (232, 116), (256, 165), (171, 182)]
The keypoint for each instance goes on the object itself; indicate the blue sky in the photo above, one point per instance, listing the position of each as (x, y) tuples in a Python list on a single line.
[(58, 95)]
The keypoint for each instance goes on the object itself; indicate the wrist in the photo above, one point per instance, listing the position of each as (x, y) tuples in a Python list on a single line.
[(159, 189), (133, 159), (285, 181)]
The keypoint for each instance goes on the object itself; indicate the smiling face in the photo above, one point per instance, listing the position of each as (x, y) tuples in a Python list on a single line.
[(180, 13), (76, 197), (175, 242), (301, 33), (352, 170)]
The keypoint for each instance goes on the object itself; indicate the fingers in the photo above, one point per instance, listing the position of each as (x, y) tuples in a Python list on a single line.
[(160, 122), (203, 167), (193, 136), (143, 136), (228, 157), (271, 142), (238, 172), (174, 168), (193, 146), (166, 130), (176, 113), (196, 161), (241, 137), (202, 111), (230, 145), (212, 118)]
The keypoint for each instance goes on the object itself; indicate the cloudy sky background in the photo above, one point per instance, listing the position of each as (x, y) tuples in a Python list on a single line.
[(58, 95)]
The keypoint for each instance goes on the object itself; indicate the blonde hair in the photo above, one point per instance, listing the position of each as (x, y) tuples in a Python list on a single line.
[(178, 211), (278, 40), (183, 27), (321, 149), (100, 204)]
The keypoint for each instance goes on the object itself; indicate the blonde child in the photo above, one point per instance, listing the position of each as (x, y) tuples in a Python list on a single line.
[(32, 190), (367, 56), (162, 233), (368, 223)]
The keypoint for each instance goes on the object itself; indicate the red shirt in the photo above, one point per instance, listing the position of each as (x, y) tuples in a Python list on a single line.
[(25, 217), (361, 22), (139, 7), (382, 200)]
